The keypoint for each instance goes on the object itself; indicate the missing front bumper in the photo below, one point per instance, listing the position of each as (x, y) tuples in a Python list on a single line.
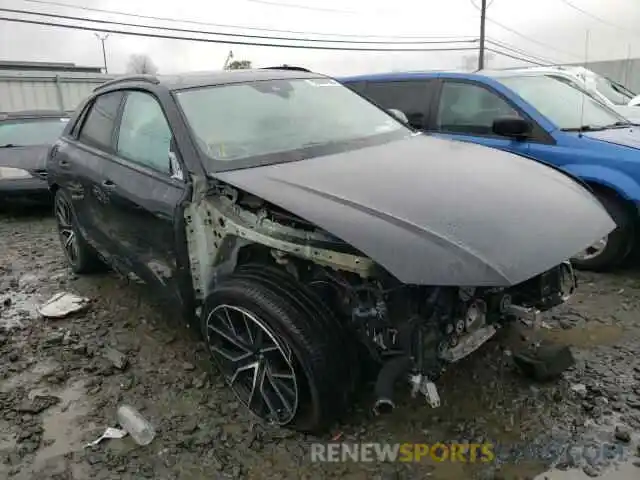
[(549, 290)]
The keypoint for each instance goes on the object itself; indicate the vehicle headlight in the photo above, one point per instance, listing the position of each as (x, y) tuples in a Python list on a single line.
[(7, 173)]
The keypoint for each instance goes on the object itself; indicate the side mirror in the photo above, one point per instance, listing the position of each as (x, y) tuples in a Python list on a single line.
[(399, 115), (513, 127)]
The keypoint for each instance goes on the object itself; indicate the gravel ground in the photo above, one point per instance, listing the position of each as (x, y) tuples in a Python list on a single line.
[(58, 390)]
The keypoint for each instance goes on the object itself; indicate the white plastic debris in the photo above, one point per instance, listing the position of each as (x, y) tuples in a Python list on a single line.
[(62, 304), (136, 425), (108, 433), (579, 388)]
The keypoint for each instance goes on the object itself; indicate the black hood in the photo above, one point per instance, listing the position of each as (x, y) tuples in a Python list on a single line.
[(28, 158), (438, 212)]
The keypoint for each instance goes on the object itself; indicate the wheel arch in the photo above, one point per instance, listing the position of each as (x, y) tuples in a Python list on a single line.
[(613, 193), (607, 179)]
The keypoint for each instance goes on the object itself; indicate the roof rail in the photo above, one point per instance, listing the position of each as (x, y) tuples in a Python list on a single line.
[(287, 67), (129, 78)]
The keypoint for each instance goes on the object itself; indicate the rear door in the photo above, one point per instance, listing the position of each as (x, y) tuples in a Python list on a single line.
[(144, 186), (411, 97), (465, 110), (81, 164)]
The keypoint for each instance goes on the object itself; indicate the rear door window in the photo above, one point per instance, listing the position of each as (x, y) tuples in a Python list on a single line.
[(411, 97), (97, 129)]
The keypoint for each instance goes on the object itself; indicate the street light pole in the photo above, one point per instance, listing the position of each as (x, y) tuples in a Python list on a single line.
[(483, 18), (104, 53)]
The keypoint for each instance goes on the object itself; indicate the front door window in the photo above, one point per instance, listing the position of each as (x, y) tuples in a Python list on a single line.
[(466, 108)]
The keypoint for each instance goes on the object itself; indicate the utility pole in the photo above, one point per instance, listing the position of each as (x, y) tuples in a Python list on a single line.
[(483, 18), (104, 52)]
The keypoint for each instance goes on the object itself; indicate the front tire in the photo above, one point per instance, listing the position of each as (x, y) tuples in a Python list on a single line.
[(275, 354), (612, 250), (81, 257)]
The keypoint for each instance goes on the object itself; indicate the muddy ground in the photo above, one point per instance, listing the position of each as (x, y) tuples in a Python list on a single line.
[(58, 391)]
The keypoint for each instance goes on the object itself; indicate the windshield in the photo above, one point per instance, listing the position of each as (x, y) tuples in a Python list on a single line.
[(568, 107), (616, 93), (29, 132), (239, 121)]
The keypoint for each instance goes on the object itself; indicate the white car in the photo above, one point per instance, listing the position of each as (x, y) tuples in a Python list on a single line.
[(611, 93)]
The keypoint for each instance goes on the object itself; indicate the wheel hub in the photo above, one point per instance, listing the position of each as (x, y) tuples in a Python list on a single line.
[(67, 234), (257, 367)]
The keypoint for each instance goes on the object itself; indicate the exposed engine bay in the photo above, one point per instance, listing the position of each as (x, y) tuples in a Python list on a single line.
[(415, 330)]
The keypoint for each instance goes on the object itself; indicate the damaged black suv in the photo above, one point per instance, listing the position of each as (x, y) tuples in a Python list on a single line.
[(310, 234)]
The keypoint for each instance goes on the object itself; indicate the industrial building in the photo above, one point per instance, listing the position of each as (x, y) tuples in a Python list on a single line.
[(45, 85)]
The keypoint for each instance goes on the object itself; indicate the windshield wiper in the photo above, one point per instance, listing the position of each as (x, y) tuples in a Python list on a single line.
[(584, 128), (592, 128), (620, 125)]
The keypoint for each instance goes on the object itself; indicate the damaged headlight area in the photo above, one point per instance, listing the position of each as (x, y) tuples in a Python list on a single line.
[(8, 173)]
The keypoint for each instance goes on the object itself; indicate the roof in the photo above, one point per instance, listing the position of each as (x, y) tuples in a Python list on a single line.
[(33, 114), (532, 71), (47, 66), (221, 77), (391, 76)]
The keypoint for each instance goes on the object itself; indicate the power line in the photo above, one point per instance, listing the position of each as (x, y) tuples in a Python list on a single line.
[(301, 7), (515, 32), (516, 57), (242, 35), (533, 40), (195, 22), (229, 42), (596, 18), (522, 52)]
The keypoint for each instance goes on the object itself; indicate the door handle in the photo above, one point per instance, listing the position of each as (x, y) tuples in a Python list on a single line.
[(108, 184)]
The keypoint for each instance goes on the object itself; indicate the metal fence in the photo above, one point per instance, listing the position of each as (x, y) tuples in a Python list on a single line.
[(46, 90)]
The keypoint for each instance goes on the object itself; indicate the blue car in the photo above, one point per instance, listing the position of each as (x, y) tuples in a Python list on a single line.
[(537, 116)]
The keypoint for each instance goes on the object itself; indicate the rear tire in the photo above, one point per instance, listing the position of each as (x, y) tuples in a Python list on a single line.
[(81, 256), (617, 246), (307, 377)]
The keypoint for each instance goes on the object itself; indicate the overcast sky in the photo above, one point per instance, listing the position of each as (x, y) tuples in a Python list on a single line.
[(556, 31)]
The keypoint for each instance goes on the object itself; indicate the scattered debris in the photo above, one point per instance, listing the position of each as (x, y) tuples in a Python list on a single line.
[(189, 367), (63, 304), (591, 471), (136, 425), (545, 362), (579, 388), (119, 359), (622, 434), (108, 434), (38, 404)]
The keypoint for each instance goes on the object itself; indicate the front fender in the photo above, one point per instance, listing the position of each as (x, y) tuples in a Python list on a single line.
[(626, 186)]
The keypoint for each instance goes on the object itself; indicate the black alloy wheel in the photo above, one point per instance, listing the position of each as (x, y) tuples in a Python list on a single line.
[(257, 366), (81, 257)]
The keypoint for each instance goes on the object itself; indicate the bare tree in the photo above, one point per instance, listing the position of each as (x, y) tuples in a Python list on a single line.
[(141, 63), (239, 65)]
